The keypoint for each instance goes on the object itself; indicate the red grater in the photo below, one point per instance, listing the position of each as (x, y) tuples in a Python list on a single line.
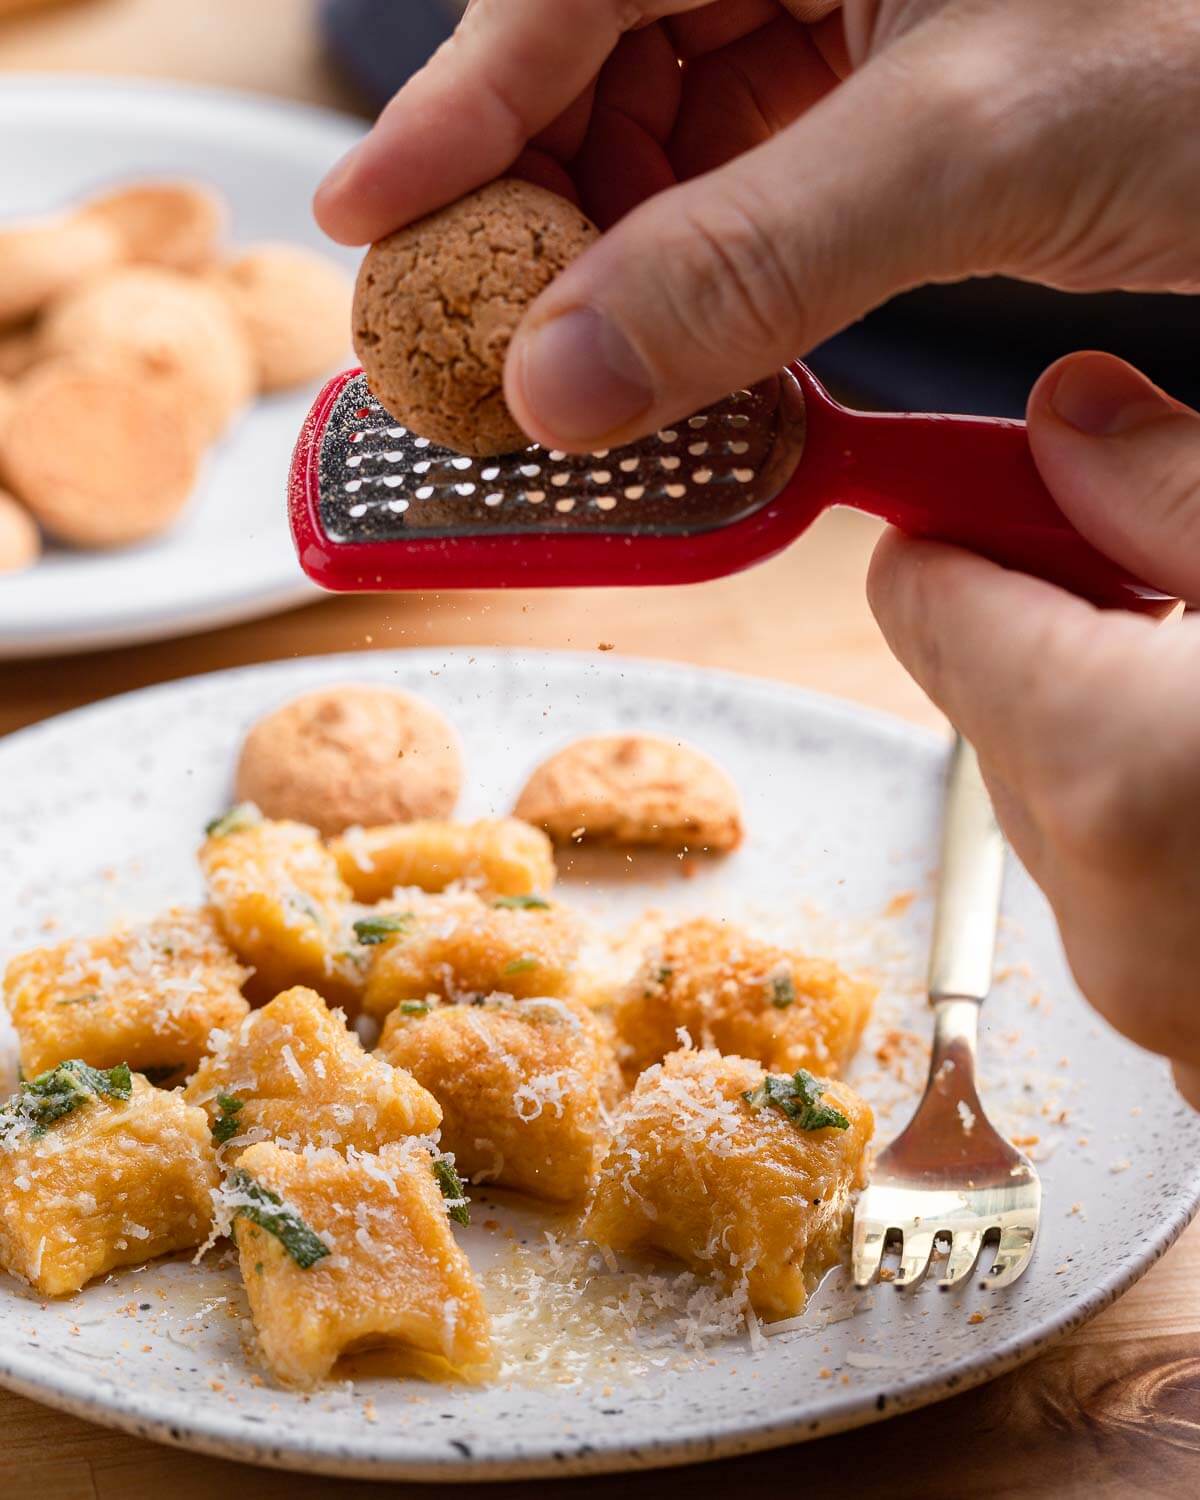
[(374, 506)]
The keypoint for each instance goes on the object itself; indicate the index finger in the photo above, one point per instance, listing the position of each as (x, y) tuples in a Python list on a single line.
[(511, 68)]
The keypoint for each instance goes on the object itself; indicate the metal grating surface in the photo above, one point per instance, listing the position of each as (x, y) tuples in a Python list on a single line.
[(378, 482)]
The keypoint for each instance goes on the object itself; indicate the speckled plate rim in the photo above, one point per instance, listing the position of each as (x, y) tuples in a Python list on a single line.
[(126, 1410)]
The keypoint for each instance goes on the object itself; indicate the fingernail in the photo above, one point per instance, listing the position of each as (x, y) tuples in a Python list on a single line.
[(1101, 396), (339, 174), (580, 376)]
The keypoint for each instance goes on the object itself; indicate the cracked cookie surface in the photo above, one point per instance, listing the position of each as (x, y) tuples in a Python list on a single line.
[(437, 303)]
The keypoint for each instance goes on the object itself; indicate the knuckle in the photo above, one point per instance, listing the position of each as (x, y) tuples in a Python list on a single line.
[(737, 294)]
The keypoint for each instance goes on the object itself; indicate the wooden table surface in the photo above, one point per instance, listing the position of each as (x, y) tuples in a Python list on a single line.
[(1111, 1410)]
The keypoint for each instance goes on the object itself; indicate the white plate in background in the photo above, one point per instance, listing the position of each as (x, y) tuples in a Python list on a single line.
[(102, 810), (230, 556)]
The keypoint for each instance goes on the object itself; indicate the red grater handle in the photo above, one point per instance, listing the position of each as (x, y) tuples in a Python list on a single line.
[(967, 480)]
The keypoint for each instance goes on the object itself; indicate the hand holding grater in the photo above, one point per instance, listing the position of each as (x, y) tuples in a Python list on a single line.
[(374, 506)]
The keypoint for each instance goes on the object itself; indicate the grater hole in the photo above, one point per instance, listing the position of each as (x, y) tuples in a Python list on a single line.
[(460, 463), (535, 497), (399, 506), (670, 462), (352, 486), (424, 492), (491, 472), (564, 505), (354, 461), (701, 476), (739, 448), (560, 479), (602, 453), (696, 449), (667, 434), (466, 488), (358, 510), (628, 465), (676, 491), (606, 502), (494, 498), (739, 419), (697, 422), (357, 437), (743, 476), (530, 471), (420, 442), (634, 492), (556, 455), (600, 476)]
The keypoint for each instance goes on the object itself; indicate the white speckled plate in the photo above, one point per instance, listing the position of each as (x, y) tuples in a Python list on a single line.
[(230, 556), (101, 810)]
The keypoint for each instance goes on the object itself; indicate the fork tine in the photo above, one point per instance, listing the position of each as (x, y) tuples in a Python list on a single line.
[(1013, 1255), (867, 1252), (914, 1257), (964, 1252)]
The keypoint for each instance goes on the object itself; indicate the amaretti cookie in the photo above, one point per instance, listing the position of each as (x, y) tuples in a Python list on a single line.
[(634, 789), (293, 306), (350, 755), (176, 224), (20, 543), (100, 457), (437, 303), (172, 331), (42, 257)]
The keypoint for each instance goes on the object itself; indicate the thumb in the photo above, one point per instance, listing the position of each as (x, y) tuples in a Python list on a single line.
[(1122, 459), (718, 282)]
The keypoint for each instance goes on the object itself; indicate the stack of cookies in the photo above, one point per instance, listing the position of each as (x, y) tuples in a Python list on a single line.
[(130, 339)]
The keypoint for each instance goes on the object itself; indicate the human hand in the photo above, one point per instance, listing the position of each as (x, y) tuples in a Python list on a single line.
[(805, 164), (1087, 724)]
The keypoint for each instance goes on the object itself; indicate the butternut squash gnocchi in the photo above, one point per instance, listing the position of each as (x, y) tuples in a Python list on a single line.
[(739, 995), (509, 1041), (522, 1084), (148, 996), (294, 1073), (282, 905), (99, 1169), (738, 1173), (457, 945), (495, 856), (342, 1253)]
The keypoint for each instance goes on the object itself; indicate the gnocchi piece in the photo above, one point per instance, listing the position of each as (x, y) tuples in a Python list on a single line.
[(738, 1173), (282, 905), (634, 789), (739, 995), (457, 946), (146, 995), (499, 856), (360, 1255), (522, 1085), (293, 1071), (99, 1170)]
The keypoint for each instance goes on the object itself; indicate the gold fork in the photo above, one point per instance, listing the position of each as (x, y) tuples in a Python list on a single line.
[(949, 1175)]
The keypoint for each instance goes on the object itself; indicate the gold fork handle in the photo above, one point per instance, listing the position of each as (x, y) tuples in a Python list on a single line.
[(968, 895)]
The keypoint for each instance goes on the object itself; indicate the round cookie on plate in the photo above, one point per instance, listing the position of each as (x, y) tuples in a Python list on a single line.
[(294, 307), (100, 457), (437, 303), (42, 257), (176, 224), (171, 330), (20, 543), (633, 789), (351, 755)]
